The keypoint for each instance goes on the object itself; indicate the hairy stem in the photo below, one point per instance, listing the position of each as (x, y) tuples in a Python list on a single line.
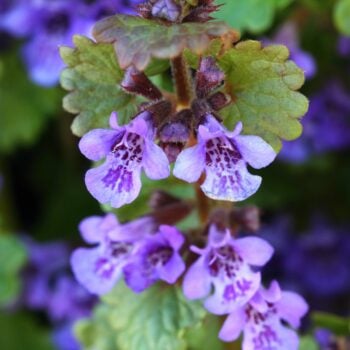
[(183, 82), (202, 202)]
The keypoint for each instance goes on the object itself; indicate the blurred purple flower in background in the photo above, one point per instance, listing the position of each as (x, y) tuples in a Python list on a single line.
[(48, 24), (50, 287), (314, 262), (326, 125), (343, 46), (288, 35)]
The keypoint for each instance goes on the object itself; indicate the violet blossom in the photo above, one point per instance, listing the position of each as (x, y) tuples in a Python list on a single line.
[(127, 149), (231, 266), (99, 268), (326, 125), (261, 320), (288, 36), (224, 155), (157, 258)]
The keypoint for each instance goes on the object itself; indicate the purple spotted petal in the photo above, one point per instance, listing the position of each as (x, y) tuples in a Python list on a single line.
[(190, 163), (255, 151), (292, 307), (172, 270), (254, 250), (233, 325), (232, 293), (113, 183), (155, 162), (94, 271), (197, 281), (96, 144), (270, 334), (229, 181)]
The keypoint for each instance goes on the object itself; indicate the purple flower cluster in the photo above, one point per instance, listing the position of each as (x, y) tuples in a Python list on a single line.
[(226, 274), (326, 125), (47, 24), (222, 154), (231, 266), (49, 286), (140, 250)]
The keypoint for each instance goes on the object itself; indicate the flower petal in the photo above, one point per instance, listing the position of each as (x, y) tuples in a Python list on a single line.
[(233, 325), (190, 163), (235, 184), (136, 279), (230, 294), (255, 151), (172, 235), (173, 269), (112, 183), (94, 272), (254, 250), (90, 229), (154, 161), (96, 144), (292, 307), (197, 281)]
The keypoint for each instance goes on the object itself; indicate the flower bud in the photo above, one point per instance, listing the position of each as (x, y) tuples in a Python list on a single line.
[(137, 82)]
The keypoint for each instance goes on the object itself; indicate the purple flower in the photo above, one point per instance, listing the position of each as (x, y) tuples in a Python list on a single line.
[(17, 17), (99, 268), (326, 125), (261, 320), (127, 150), (224, 156), (64, 339), (55, 24), (343, 46), (45, 261), (157, 258), (69, 301), (319, 261), (227, 264), (288, 35)]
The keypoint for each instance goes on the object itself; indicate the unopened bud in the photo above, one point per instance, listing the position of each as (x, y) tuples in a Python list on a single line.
[(166, 9), (218, 100), (136, 82), (208, 77), (248, 218)]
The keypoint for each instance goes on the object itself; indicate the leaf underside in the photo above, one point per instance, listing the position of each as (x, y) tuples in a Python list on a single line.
[(137, 40)]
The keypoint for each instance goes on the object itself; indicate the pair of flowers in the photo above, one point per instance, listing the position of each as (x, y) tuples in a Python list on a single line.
[(226, 274), (222, 154)]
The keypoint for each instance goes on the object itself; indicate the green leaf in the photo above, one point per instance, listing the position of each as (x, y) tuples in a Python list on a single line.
[(308, 343), (25, 108), (252, 15), (342, 16), (205, 335), (156, 319), (20, 332), (96, 333), (262, 85), (138, 39), (93, 76), (12, 258), (12, 254), (336, 324)]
